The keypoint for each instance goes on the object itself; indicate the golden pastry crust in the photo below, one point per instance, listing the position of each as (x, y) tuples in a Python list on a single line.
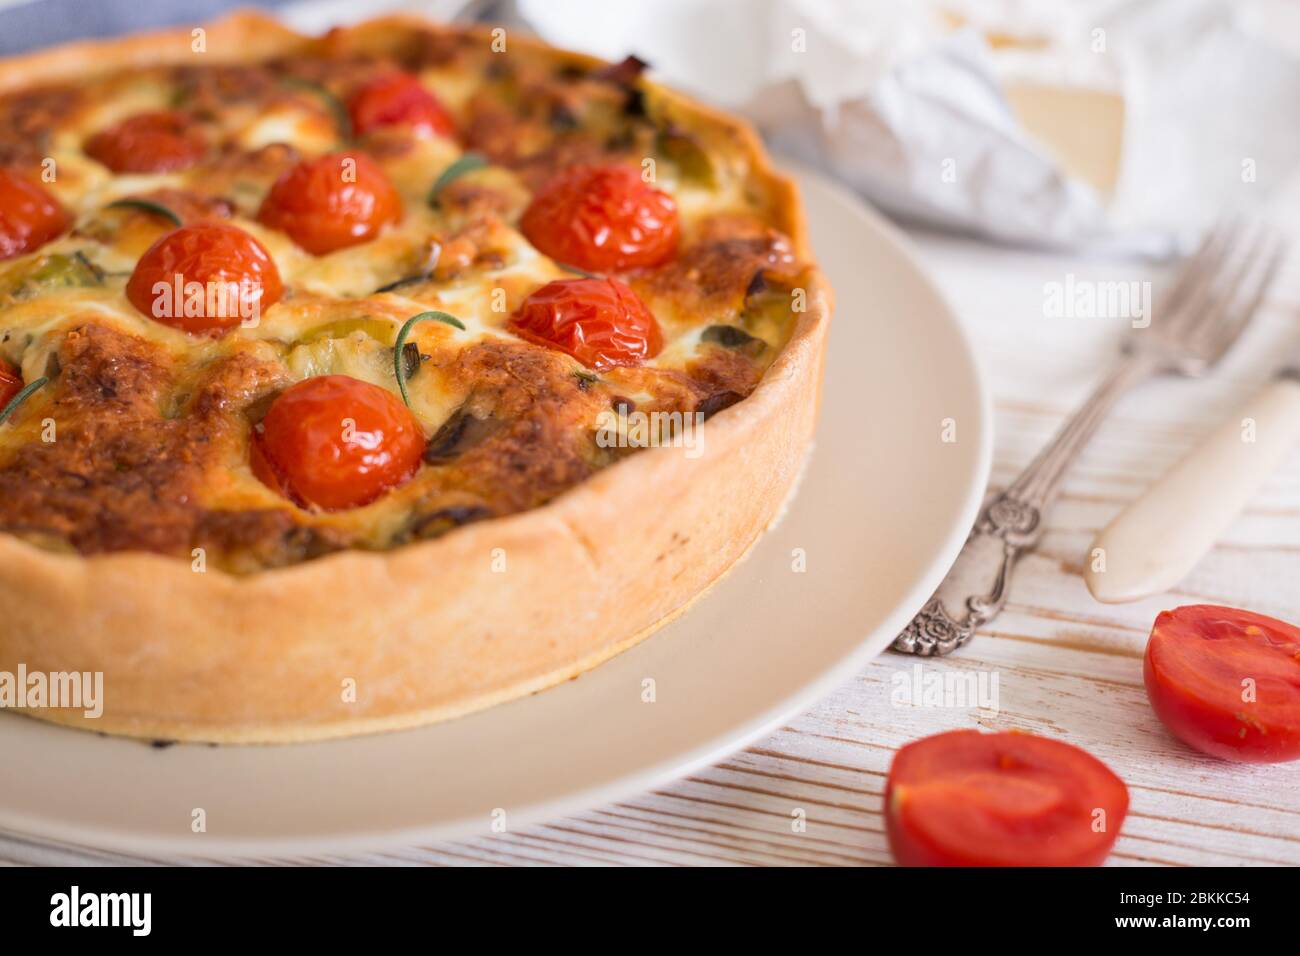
[(432, 629)]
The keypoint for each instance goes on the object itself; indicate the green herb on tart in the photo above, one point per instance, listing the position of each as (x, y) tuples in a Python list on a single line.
[(399, 347), (466, 163), (149, 206), (9, 380)]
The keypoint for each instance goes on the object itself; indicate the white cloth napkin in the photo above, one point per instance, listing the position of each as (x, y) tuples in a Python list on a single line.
[(887, 95)]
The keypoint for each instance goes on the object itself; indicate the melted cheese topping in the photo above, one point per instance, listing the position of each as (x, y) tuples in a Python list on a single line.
[(334, 319)]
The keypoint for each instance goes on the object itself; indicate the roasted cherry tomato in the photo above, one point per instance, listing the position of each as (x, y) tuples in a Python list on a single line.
[(29, 216), (11, 383), (394, 99), (602, 218), (336, 442), (205, 276), (600, 322), (1011, 799), (332, 202), (1227, 682), (148, 143)]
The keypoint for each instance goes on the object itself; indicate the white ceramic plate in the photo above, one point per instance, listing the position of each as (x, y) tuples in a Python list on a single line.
[(882, 511)]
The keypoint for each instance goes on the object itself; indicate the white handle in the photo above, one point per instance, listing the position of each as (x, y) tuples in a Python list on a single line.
[(1155, 541)]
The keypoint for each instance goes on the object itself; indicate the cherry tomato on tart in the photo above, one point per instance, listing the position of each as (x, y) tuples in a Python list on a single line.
[(397, 99), (29, 216), (148, 143), (1227, 682), (600, 322), (11, 383), (332, 202), (603, 219), (205, 277), (965, 798), (336, 442)]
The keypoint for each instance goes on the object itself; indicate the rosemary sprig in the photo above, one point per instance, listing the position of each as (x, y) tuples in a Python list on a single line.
[(402, 283), (89, 266), (399, 367), (21, 397), (335, 105), (577, 272), (466, 163), (434, 255), (149, 206)]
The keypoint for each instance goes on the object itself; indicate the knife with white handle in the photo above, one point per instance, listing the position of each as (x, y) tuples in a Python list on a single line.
[(1158, 539)]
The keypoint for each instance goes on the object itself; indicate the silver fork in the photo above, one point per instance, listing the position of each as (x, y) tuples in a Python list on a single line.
[(1214, 297)]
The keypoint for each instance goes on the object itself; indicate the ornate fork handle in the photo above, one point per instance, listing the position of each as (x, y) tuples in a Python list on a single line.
[(1011, 524)]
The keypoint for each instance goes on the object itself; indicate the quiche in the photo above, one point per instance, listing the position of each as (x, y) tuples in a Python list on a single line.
[(355, 382)]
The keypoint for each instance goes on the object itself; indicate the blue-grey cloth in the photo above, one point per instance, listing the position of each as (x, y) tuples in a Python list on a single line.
[(32, 24)]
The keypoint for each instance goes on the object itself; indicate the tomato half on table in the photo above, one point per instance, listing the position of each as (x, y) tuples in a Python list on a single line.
[(1227, 682), (29, 215), (332, 202), (336, 442), (965, 798), (600, 322), (208, 276), (158, 142), (397, 99), (602, 219)]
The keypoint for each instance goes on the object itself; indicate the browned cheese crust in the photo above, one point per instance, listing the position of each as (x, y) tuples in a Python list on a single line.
[(135, 538)]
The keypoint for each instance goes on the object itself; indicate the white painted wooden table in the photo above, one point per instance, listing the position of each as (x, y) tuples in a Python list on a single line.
[(1066, 666)]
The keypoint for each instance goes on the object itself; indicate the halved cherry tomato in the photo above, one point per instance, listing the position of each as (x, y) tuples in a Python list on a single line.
[(965, 798), (336, 442), (602, 218), (332, 202), (11, 383), (148, 143), (29, 216), (397, 98), (1227, 682), (205, 276), (600, 322)]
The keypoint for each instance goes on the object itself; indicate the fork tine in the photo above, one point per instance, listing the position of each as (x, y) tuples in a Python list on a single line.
[(1222, 282), (1217, 292), (1200, 269), (1246, 295)]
